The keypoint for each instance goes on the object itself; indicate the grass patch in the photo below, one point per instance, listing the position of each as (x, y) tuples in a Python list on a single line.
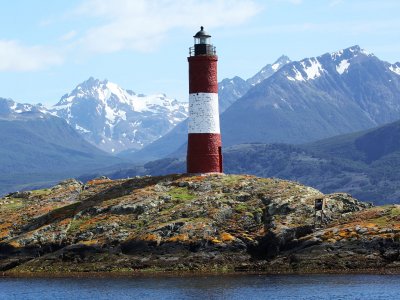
[(241, 207), (13, 204), (231, 179), (181, 194), (391, 216), (42, 192), (382, 221), (395, 211), (76, 224)]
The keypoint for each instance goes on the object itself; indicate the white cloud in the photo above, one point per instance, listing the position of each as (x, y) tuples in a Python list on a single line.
[(143, 24), (16, 57)]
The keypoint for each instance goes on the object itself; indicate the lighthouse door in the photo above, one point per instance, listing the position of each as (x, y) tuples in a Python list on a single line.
[(220, 158)]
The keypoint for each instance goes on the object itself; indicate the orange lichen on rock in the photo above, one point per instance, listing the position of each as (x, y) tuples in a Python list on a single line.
[(5, 225), (151, 237), (226, 237), (90, 242), (4, 233), (344, 233), (14, 244), (65, 222), (183, 237)]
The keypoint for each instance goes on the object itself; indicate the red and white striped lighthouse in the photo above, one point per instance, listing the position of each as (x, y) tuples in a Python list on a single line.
[(204, 153)]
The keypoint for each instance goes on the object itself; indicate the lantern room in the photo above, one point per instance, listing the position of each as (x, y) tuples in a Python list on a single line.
[(202, 44)]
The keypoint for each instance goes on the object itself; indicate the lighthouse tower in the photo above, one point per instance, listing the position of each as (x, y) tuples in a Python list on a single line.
[(204, 153)]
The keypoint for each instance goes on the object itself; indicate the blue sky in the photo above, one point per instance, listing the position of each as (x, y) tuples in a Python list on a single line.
[(47, 47)]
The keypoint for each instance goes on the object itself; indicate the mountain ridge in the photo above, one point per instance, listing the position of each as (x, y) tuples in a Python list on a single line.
[(115, 119), (314, 98)]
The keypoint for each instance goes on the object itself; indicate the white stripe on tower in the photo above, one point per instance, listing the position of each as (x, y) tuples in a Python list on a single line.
[(203, 113)]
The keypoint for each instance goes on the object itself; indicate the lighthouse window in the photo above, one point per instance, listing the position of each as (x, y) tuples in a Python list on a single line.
[(201, 40)]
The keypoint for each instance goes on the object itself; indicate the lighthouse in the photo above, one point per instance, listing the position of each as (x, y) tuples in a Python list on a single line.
[(204, 153)]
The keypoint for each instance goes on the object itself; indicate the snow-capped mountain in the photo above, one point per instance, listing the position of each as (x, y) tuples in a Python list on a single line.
[(9, 109), (231, 89), (339, 61), (115, 119), (268, 70), (335, 93)]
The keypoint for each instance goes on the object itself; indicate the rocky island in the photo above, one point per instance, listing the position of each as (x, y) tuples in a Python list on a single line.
[(185, 223)]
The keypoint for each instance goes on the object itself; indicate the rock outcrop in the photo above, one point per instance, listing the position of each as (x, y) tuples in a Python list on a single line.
[(194, 223)]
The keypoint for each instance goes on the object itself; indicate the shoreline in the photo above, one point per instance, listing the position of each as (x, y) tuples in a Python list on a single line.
[(191, 273)]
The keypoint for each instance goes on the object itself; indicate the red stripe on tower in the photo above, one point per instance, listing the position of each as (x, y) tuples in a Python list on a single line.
[(204, 153)]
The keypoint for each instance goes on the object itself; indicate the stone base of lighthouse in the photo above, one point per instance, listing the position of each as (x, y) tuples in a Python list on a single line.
[(204, 153)]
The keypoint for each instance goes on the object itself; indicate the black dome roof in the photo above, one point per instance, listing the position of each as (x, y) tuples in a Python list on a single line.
[(201, 33)]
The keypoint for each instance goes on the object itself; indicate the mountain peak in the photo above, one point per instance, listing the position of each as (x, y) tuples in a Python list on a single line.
[(350, 52), (92, 88), (92, 82), (315, 67), (355, 50), (283, 59), (269, 70)]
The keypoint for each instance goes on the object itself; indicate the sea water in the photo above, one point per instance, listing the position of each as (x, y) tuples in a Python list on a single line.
[(206, 287)]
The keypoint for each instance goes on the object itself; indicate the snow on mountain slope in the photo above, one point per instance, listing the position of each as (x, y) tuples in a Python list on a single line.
[(115, 119), (307, 69), (8, 106), (231, 89), (268, 70), (9, 109), (313, 68), (342, 66), (395, 68)]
